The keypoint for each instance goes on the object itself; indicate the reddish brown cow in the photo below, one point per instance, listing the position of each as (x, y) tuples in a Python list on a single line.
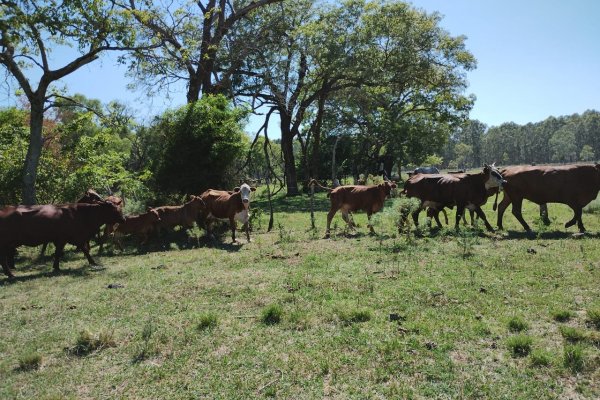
[(91, 197), (444, 190), (184, 215), (573, 185), (58, 224), (141, 225), (352, 198), (221, 204)]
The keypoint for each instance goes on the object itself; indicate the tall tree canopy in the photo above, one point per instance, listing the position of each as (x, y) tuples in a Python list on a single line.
[(30, 31)]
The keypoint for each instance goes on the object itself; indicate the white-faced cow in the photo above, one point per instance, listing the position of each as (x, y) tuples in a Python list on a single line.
[(350, 198), (226, 205)]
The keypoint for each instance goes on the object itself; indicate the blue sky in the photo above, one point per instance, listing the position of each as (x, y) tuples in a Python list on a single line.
[(536, 58)]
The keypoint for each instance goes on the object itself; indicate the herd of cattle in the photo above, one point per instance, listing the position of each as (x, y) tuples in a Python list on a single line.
[(573, 185)]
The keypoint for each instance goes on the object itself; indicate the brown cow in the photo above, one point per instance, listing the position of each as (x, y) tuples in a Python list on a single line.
[(58, 224), (141, 225), (444, 190), (573, 185), (221, 204), (91, 197), (184, 215), (352, 198)]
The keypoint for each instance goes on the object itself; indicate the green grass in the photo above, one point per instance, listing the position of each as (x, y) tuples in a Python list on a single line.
[(517, 324), (188, 320), (593, 315), (562, 315), (519, 345), (30, 361)]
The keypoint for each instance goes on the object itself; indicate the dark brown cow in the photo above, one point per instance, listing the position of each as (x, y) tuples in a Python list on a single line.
[(352, 198), (141, 225), (573, 185), (91, 197), (58, 224), (224, 205), (184, 215), (460, 190)]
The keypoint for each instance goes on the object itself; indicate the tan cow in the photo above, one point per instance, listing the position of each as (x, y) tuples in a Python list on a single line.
[(140, 225), (184, 215), (350, 198)]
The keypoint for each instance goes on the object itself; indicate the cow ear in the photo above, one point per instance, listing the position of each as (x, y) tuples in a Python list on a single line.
[(236, 189), (253, 189)]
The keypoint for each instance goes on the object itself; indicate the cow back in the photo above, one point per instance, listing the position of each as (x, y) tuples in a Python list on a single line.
[(222, 204)]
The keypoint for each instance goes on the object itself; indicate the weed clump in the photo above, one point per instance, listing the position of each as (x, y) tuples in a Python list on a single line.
[(593, 315), (517, 324), (87, 343), (540, 358), (573, 357), (572, 335), (272, 314), (30, 361), (520, 345), (562, 315), (354, 316), (207, 321)]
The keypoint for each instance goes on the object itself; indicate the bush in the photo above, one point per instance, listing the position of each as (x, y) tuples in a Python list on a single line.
[(202, 142)]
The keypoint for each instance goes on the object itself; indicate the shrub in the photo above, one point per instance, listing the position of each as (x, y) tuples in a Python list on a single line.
[(271, 315), (573, 357), (520, 345), (517, 324)]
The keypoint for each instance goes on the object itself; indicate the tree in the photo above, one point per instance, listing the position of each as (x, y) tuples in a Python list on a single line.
[(563, 146), (201, 142), (184, 41), (464, 153), (30, 30), (587, 153)]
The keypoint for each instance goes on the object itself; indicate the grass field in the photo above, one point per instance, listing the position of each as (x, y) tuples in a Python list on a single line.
[(291, 315)]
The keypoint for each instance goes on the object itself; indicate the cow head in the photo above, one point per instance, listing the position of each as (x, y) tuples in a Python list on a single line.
[(387, 187), (196, 203), (154, 217), (110, 213), (245, 191), (494, 177)]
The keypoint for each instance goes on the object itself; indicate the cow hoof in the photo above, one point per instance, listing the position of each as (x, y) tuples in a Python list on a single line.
[(327, 236)]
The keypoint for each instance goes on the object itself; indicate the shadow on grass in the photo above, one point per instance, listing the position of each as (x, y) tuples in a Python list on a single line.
[(82, 271), (550, 235)]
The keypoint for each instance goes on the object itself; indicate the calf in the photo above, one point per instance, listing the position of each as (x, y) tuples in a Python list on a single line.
[(58, 224), (351, 198), (444, 190), (141, 225), (184, 215), (573, 185), (226, 205)]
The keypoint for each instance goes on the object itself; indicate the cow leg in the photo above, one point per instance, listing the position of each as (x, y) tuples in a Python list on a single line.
[(369, 223), (116, 239), (460, 209), (445, 217), (435, 214), (516, 210), (247, 225), (501, 209), (58, 253), (4, 257), (415, 215), (481, 216), (85, 248), (576, 219), (330, 216), (544, 214), (43, 251), (232, 224)]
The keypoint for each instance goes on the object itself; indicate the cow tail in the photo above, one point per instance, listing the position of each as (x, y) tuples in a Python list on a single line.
[(496, 201), (315, 182)]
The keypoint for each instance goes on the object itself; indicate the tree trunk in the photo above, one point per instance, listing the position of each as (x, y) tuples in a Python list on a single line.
[(316, 149), (287, 148), (333, 164), (34, 152)]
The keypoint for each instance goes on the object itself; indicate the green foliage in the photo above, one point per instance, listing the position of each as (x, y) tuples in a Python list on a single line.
[(519, 345), (202, 144)]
